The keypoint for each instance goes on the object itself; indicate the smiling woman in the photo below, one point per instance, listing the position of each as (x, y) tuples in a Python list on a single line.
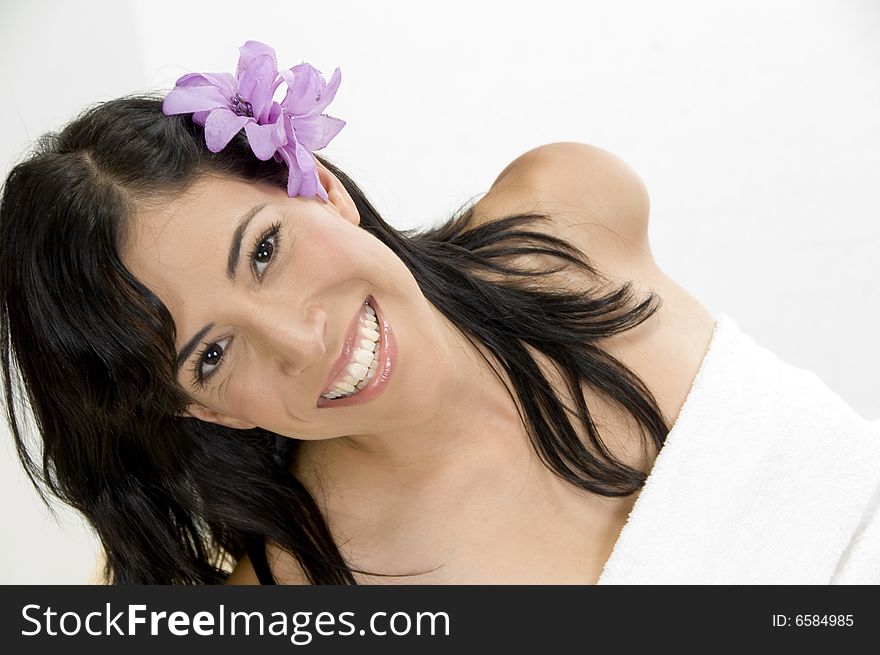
[(175, 346), (221, 373)]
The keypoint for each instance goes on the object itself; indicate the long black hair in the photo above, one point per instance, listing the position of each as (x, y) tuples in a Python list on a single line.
[(88, 351)]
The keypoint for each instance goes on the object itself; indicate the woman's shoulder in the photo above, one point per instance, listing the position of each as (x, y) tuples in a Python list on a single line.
[(599, 204), (595, 199)]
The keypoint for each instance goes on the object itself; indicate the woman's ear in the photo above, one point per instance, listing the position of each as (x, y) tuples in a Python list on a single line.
[(338, 194), (208, 415)]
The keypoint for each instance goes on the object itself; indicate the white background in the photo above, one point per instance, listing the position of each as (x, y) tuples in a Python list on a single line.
[(754, 124)]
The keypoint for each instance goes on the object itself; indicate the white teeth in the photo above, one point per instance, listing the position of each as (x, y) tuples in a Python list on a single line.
[(356, 370), (364, 358)]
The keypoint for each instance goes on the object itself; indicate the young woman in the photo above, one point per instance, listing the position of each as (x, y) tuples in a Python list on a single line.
[(182, 329)]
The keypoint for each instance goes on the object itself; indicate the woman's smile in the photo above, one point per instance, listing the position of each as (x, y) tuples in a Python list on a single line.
[(364, 365)]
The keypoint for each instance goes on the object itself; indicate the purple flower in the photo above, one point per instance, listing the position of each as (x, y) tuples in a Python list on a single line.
[(289, 131), (305, 126)]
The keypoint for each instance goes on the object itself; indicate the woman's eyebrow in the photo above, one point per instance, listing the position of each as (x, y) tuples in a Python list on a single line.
[(237, 236), (187, 350)]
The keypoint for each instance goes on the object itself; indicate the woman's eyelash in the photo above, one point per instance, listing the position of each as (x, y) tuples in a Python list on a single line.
[(272, 232), (199, 378)]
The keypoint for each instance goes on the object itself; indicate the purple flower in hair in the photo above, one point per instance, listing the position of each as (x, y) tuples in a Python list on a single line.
[(287, 131)]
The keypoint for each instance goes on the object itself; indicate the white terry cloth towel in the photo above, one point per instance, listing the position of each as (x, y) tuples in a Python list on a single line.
[(767, 477)]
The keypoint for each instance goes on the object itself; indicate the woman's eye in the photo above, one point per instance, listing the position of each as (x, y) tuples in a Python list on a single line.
[(209, 360), (264, 250)]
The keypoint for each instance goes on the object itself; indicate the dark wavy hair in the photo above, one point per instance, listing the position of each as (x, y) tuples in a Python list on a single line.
[(88, 352)]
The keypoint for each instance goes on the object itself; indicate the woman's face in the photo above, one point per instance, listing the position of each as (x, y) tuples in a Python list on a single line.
[(274, 330)]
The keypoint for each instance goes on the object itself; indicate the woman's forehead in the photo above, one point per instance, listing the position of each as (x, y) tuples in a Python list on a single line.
[(211, 202), (207, 210), (185, 238)]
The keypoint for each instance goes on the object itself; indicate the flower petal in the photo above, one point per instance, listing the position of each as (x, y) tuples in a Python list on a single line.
[(256, 83), (329, 91), (321, 192), (305, 86), (297, 156), (220, 126), (223, 81), (310, 184), (266, 139), (250, 51), (304, 158), (188, 99), (294, 176), (274, 113), (199, 117), (315, 132), (290, 79)]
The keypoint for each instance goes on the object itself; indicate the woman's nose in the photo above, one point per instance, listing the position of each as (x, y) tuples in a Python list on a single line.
[(295, 341)]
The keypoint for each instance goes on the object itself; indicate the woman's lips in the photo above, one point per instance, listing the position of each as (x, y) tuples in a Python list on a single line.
[(347, 346), (386, 363)]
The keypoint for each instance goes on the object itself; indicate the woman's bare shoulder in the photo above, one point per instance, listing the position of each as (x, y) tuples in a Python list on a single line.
[(595, 199)]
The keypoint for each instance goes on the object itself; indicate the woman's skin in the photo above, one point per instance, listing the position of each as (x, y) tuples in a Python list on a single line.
[(438, 470), (287, 330)]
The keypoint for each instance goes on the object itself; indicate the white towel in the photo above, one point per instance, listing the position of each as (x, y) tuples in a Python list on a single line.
[(767, 477)]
